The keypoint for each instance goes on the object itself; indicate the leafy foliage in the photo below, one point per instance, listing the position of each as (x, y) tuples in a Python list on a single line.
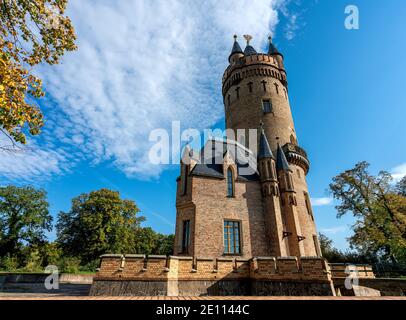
[(24, 219), (380, 210), (149, 242), (99, 222), (31, 32)]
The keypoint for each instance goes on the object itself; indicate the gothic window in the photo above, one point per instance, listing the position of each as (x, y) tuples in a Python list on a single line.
[(232, 237), (230, 183), (185, 236), (298, 173), (308, 204), (237, 90), (229, 100), (267, 106), (286, 94)]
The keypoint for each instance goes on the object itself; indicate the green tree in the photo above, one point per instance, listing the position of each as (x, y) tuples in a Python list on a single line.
[(99, 222), (150, 242), (31, 32), (401, 187), (165, 244), (24, 219), (380, 212)]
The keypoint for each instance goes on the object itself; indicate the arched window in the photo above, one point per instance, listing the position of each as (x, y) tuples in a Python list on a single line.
[(230, 183)]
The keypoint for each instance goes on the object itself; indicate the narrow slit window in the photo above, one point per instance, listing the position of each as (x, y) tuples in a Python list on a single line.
[(230, 183), (185, 236), (308, 204)]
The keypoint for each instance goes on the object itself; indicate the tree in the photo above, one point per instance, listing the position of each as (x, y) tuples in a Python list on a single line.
[(380, 228), (99, 222), (150, 242), (31, 32), (24, 219), (165, 244), (401, 187)]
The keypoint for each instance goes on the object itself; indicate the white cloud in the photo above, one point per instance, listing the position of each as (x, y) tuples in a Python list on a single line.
[(399, 172), (317, 202), (334, 230), (31, 164), (140, 65)]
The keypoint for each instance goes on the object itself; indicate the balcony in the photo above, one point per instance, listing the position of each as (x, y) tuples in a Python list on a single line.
[(297, 155)]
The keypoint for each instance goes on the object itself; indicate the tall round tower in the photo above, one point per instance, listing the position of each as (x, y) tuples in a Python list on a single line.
[(255, 91)]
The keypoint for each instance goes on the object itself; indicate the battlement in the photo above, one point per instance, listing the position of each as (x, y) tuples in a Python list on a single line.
[(250, 60), (198, 268), (260, 65), (343, 270)]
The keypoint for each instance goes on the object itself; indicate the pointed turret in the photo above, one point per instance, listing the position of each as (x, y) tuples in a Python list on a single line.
[(249, 50), (281, 161), (273, 51), (264, 151), (236, 51)]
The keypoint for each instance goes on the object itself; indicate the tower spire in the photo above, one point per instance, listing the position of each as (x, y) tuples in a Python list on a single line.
[(236, 50), (272, 49), (281, 161), (264, 148)]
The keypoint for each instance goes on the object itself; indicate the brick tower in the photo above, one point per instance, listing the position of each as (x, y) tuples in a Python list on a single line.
[(244, 223), (221, 211)]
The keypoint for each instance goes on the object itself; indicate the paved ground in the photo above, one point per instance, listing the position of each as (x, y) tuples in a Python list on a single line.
[(50, 297)]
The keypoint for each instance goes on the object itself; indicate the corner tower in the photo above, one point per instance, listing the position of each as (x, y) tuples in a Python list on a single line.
[(255, 90)]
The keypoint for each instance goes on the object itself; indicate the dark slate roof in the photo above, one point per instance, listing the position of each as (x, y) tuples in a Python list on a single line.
[(281, 162), (249, 50), (272, 49), (264, 148), (212, 157), (236, 48)]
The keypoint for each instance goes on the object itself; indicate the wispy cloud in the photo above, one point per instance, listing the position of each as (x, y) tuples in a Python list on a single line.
[(334, 230), (292, 12), (318, 202), (399, 172), (140, 65)]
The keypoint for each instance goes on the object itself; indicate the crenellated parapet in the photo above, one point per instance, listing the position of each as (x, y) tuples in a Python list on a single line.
[(253, 66), (140, 267)]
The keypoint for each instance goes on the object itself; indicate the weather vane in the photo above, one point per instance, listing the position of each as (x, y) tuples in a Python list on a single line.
[(248, 38)]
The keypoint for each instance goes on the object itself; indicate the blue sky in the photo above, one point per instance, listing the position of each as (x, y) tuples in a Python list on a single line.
[(143, 64)]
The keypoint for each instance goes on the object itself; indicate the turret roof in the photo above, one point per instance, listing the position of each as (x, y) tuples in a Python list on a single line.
[(281, 161), (264, 148)]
